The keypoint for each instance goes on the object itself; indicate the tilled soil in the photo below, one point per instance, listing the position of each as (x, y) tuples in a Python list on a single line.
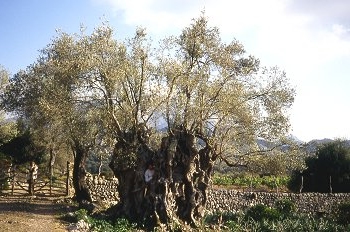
[(27, 214)]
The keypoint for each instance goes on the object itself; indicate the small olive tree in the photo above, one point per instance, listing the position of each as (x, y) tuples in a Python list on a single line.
[(47, 95)]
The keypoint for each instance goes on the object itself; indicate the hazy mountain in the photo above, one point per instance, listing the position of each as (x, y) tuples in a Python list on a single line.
[(310, 146), (295, 139)]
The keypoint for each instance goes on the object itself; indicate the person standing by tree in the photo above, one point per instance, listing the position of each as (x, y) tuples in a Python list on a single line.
[(149, 173)]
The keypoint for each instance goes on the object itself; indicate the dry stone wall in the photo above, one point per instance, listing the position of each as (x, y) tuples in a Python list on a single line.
[(102, 189), (231, 200)]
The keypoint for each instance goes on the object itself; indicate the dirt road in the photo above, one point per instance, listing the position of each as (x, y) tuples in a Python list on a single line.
[(28, 214)]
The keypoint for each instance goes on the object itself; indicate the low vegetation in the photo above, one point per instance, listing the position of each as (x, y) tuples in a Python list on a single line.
[(269, 183), (281, 217)]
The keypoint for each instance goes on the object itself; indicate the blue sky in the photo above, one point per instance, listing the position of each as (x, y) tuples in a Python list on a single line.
[(308, 39)]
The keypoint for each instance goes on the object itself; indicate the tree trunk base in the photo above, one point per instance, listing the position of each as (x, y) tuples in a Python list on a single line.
[(177, 192)]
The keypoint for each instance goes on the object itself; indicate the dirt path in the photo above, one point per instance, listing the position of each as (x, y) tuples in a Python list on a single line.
[(29, 214)]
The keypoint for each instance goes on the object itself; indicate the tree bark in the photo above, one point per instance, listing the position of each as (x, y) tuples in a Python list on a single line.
[(79, 173), (178, 190), (52, 162), (128, 163)]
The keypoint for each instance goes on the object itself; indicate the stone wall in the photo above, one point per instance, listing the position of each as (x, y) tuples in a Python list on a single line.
[(232, 200), (102, 189)]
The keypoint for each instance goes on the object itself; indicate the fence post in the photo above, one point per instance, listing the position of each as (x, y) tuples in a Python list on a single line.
[(51, 176), (33, 171), (13, 179), (68, 178), (302, 184), (13, 185)]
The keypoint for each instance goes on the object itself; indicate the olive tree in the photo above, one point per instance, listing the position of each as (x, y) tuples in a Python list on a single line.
[(217, 102), (212, 100), (47, 96), (179, 107)]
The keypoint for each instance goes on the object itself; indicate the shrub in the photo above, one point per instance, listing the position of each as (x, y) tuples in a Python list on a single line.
[(220, 216), (123, 225), (103, 226), (285, 207), (100, 225), (328, 171), (3, 183), (343, 213), (261, 212), (81, 214)]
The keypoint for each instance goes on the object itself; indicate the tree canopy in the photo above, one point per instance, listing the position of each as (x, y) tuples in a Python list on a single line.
[(7, 126), (21, 149), (181, 105), (328, 171)]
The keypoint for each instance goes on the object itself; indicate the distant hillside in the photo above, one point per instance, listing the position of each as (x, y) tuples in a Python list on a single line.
[(312, 146)]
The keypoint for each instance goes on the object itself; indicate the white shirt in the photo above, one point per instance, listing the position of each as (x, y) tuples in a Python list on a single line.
[(149, 175)]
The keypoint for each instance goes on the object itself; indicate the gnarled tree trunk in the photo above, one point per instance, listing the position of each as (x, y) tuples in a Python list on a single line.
[(178, 190), (129, 163)]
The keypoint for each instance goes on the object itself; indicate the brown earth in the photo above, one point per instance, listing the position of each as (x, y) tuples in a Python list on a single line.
[(37, 214)]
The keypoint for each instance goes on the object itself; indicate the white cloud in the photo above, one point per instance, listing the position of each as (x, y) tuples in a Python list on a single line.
[(273, 27), (230, 16), (324, 12), (340, 30), (157, 16)]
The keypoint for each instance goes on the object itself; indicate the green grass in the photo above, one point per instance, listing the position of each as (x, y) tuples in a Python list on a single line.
[(265, 182)]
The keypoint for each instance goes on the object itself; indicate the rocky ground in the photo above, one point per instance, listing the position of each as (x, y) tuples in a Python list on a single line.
[(39, 214)]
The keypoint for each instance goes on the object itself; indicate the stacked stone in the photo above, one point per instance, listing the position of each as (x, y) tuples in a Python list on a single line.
[(233, 201), (102, 189)]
